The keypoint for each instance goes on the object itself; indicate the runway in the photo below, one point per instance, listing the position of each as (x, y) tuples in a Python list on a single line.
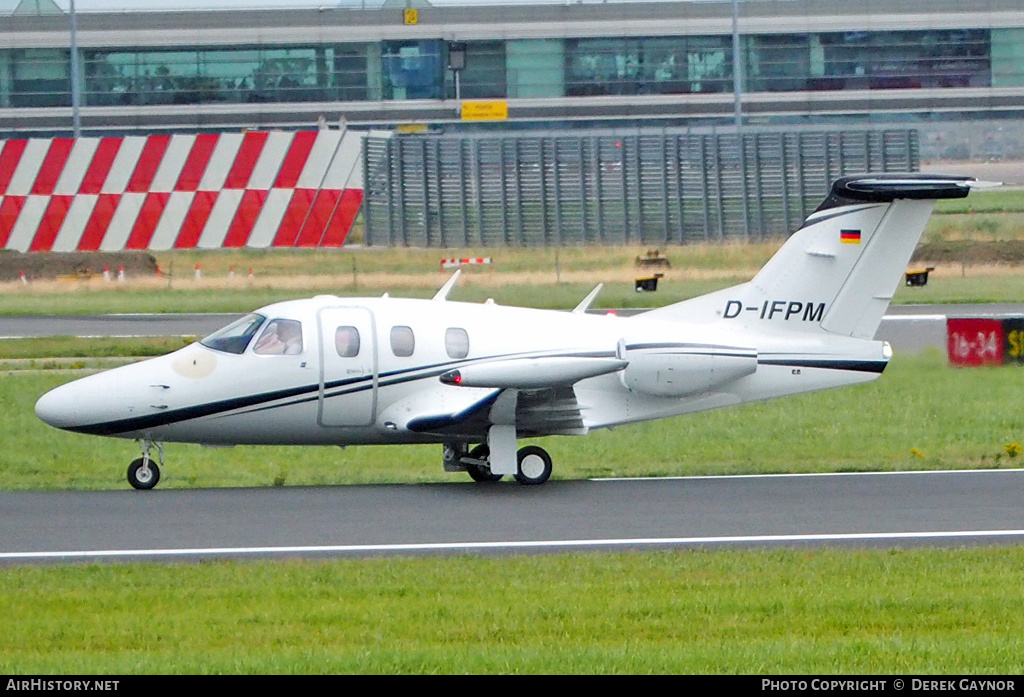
[(909, 328), (908, 509)]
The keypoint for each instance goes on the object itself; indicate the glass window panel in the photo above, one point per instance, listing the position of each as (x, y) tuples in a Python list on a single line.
[(286, 75), (597, 67), (1007, 57), (456, 342), (910, 59), (282, 337), (778, 62), (40, 77), (145, 77), (653, 65), (346, 341), (243, 74), (484, 74), (5, 78), (709, 63), (412, 69), (109, 78), (350, 76), (535, 68), (402, 341), (236, 336), (230, 72)]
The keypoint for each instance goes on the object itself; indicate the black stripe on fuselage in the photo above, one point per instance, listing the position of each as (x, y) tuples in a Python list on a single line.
[(828, 364)]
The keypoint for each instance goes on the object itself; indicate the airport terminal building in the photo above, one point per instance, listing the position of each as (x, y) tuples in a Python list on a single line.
[(852, 62)]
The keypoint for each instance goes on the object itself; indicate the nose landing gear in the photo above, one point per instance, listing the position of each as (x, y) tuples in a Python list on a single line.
[(143, 473)]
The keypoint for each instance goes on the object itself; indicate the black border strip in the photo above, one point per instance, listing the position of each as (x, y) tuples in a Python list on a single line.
[(828, 364)]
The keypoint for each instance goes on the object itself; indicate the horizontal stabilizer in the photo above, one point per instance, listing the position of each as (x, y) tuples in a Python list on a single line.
[(532, 373), (885, 188)]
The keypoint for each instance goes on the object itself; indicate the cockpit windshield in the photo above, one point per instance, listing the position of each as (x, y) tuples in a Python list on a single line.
[(236, 336)]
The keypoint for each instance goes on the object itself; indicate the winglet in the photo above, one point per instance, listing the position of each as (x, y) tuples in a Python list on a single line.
[(585, 303), (442, 294)]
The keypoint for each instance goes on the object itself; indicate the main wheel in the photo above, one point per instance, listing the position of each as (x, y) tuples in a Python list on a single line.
[(534, 465), (481, 473), (141, 478)]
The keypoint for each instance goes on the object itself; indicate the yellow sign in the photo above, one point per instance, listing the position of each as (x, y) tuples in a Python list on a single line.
[(490, 110), (412, 16), (412, 128)]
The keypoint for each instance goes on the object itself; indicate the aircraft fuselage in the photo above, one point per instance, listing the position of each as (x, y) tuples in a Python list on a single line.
[(390, 389)]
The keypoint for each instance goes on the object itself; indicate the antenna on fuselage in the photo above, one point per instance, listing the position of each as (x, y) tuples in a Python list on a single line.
[(585, 303), (442, 294)]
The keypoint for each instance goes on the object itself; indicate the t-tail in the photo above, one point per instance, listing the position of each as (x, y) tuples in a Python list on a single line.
[(839, 271)]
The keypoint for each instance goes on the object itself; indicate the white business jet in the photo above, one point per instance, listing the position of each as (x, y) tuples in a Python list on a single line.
[(479, 377)]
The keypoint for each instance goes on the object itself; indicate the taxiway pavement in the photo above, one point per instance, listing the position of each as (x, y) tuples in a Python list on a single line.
[(947, 508)]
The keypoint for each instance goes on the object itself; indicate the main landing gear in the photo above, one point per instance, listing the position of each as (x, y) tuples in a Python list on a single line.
[(533, 464), (143, 473)]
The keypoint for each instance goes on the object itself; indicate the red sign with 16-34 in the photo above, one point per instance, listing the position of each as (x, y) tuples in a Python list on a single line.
[(974, 341)]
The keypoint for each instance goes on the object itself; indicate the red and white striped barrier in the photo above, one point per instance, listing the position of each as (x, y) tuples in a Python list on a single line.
[(252, 189), (454, 263)]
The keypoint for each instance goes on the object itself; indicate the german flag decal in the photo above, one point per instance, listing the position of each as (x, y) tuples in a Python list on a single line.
[(849, 236)]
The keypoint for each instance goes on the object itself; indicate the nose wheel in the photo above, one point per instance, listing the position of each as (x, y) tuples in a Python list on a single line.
[(144, 473)]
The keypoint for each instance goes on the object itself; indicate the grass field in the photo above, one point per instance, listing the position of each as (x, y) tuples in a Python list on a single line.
[(714, 612)]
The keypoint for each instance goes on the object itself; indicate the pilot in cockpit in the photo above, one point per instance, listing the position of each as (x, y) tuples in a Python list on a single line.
[(282, 337)]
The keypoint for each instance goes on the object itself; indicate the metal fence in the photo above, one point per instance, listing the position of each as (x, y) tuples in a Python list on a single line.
[(668, 188)]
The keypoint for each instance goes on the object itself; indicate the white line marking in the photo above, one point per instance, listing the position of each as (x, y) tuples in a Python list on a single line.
[(103, 336), (914, 318), (526, 544), (802, 474)]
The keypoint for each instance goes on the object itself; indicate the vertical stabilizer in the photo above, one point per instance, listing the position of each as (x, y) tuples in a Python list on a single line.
[(839, 271)]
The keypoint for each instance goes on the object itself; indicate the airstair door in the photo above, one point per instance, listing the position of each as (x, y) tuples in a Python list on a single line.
[(348, 366)]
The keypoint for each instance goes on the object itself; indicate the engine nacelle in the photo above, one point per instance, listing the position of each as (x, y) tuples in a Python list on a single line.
[(677, 370)]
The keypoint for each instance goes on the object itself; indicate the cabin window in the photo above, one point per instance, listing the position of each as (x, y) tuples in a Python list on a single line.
[(346, 341), (282, 337), (456, 342), (402, 341), (236, 336)]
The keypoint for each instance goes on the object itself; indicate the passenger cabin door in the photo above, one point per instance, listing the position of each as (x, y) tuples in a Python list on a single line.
[(348, 367)]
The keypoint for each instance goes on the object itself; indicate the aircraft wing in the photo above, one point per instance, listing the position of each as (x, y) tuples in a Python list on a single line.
[(544, 398), (540, 412)]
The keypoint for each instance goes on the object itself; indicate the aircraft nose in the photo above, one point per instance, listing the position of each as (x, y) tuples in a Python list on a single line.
[(59, 407)]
